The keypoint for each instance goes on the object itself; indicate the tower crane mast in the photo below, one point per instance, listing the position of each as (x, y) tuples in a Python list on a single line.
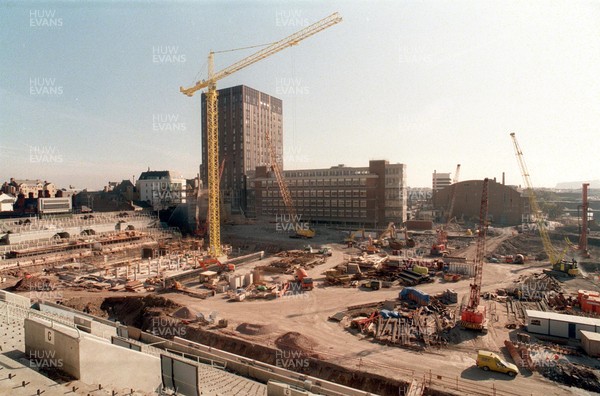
[(212, 127)]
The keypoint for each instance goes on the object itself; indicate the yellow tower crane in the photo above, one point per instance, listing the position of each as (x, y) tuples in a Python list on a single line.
[(212, 127)]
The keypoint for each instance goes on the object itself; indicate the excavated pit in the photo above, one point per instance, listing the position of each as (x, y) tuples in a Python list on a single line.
[(140, 311)]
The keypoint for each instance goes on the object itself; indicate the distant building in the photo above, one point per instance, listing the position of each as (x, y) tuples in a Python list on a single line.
[(6, 202), (161, 189), (373, 195), (245, 117), (30, 188), (505, 204), (440, 181)]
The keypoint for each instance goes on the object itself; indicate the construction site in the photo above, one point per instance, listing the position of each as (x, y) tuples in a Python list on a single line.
[(454, 305), (340, 306)]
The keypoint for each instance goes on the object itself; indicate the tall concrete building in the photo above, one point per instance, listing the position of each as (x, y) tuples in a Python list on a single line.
[(440, 180), (373, 195), (245, 117)]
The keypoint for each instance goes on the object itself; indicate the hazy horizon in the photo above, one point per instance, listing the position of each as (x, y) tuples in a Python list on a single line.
[(90, 91)]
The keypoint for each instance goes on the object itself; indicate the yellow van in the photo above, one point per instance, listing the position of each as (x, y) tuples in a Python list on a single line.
[(491, 361)]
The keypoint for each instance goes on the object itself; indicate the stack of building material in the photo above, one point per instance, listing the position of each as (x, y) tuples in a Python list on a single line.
[(418, 296), (135, 286)]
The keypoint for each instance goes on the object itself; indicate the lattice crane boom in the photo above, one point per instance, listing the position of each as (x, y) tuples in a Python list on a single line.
[(553, 254), (453, 197), (475, 296), (274, 48), (212, 127)]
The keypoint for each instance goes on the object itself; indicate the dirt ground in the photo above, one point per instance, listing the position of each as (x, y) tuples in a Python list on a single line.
[(308, 314), (302, 319)]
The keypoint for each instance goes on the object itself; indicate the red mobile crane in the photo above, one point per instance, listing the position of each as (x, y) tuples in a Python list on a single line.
[(473, 315)]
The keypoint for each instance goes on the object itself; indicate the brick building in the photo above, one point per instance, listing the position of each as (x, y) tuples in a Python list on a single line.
[(373, 195)]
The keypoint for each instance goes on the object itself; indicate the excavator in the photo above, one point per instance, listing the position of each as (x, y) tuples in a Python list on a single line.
[(351, 241)]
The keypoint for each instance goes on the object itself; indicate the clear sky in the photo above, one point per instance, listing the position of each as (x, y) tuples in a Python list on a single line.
[(89, 91)]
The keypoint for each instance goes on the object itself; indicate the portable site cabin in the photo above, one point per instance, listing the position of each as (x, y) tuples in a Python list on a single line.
[(560, 325), (590, 343)]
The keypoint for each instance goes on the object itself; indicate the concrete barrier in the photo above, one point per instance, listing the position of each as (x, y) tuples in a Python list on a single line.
[(91, 359), (15, 299)]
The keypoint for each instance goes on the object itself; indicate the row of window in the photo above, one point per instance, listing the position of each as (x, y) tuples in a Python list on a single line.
[(334, 203), (324, 213), (317, 193), (327, 172), (317, 182)]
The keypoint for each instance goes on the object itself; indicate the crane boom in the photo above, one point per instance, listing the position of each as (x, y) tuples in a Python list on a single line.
[(553, 254), (212, 126), (475, 296), (283, 188), (453, 197), (474, 315), (280, 45)]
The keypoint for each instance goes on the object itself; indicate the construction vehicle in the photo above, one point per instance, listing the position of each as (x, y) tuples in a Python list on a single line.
[(350, 241), (473, 315), (388, 233), (306, 283), (439, 247), (369, 247), (212, 116), (324, 250), (557, 260), (373, 284), (301, 229), (214, 264), (516, 259)]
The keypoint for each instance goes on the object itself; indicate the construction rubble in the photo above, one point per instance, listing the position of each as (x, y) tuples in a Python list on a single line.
[(416, 320)]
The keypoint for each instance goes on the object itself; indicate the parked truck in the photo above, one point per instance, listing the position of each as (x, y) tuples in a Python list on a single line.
[(305, 281)]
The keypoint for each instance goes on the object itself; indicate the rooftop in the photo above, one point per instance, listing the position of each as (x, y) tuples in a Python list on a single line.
[(562, 317)]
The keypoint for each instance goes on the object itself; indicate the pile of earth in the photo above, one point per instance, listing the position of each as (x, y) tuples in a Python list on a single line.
[(185, 313), (36, 283), (255, 329), (297, 342)]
